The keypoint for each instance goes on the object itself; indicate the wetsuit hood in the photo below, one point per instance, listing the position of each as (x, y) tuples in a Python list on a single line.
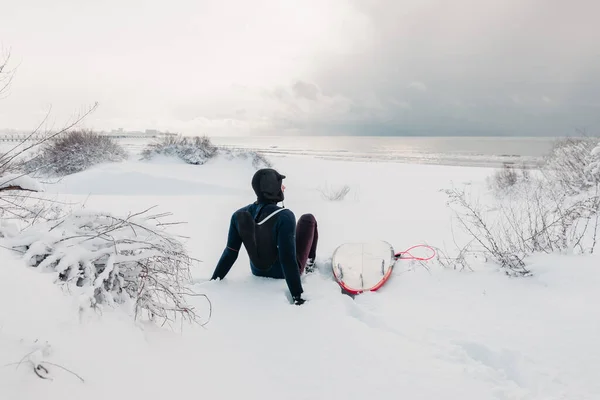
[(266, 183)]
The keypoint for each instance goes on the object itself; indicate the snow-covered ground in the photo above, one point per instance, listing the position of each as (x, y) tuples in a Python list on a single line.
[(429, 333)]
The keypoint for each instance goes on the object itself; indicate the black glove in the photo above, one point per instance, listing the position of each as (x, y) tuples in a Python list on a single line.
[(298, 300)]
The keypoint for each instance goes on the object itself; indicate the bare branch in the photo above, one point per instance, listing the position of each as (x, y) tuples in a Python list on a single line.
[(63, 368), (48, 137), (23, 141), (6, 76), (11, 188)]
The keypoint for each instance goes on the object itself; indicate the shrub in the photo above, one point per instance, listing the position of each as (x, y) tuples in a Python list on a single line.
[(555, 212), (486, 238), (74, 152), (111, 260), (537, 220), (198, 150), (258, 159), (593, 168), (566, 167), (508, 177), (193, 150), (332, 193)]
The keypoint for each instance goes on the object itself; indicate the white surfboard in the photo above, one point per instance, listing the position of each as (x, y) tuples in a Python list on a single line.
[(364, 266)]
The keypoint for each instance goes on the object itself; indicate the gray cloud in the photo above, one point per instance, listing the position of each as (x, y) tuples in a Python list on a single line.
[(502, 67), (306, 90), (416, 67)]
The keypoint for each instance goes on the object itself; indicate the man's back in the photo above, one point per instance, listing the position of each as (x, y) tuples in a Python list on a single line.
[(268, 233), (282, 242)]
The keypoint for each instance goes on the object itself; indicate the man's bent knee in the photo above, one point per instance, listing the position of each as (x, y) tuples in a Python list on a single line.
[(308, 218)]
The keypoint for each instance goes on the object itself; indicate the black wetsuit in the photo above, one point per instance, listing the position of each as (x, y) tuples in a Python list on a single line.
[(277, 243)]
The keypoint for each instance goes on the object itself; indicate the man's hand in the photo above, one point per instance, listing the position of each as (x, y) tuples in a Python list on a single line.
[(298, 300)]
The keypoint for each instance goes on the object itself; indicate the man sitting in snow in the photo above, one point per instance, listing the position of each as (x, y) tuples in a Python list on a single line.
[(276, 246)]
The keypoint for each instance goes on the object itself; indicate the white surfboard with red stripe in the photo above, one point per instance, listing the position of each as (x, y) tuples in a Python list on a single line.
[(362, 267)]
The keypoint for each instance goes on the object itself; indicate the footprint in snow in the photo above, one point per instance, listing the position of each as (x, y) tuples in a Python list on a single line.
[(503, 364)]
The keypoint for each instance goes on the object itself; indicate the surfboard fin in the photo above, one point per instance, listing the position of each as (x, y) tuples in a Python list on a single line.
[(341, 272)]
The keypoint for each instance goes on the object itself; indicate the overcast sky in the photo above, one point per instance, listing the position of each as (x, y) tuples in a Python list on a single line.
[(236, 67)]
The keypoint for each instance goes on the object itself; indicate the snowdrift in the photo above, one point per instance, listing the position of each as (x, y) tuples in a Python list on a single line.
[(429, 333)]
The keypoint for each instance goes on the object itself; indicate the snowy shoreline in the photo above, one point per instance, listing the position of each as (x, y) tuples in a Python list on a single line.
[(467, 152), (490, 152), (455, 160)]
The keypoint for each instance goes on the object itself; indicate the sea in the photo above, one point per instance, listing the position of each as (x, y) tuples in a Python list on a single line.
[(527, 152)]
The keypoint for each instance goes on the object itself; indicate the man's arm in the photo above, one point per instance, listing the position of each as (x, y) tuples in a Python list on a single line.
[(230, 254), (286, 243)]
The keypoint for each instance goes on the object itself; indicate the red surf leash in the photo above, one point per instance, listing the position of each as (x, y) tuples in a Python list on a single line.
[(406, 255)]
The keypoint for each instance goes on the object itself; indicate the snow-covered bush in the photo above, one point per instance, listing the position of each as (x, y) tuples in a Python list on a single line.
[(110, 260), (73, 152), (198, 150), (535, 220), (593, 168), (193, 150), (554, 211), (566, 167), (258, 159)]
